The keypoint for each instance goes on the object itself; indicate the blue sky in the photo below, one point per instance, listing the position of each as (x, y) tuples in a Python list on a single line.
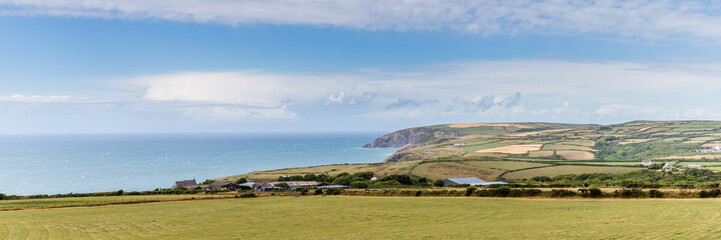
[(71, 66)]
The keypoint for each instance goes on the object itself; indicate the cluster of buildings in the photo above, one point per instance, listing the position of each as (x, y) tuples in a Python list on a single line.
[(669, 167), (257, 186), (710, 150)]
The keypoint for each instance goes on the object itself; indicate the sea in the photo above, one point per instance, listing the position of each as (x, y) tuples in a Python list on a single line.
[(56, 164)]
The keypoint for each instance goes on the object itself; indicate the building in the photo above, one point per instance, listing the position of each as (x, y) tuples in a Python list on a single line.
[(646, 163), (221, 185), (668, 167), (292, 184), (473, 181), (696, 166), (187, 184), (248, 186)]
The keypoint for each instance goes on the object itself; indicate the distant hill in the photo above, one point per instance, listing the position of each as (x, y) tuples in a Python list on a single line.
[(632, 141)]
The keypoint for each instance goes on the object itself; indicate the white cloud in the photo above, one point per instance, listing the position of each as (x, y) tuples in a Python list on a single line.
[(35, 98), (638, 18), (230, 114)]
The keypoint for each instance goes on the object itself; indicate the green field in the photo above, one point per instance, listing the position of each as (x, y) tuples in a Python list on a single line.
[(569, 169), (95, 201), (374, 218)]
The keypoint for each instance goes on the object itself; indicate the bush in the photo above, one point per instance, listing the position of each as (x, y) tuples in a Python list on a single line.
[(404, 179), (359, 184), (630, 193), (591, 192), (248, 195), (438, 183), (241, 181), (302, 190), (119, 192), (470, 190), (2, 196), (318, 191), (333, 191), (653, 193), (418, 193), (562, 193), (208, 181)]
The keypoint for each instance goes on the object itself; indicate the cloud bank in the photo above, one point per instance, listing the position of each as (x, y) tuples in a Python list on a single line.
[(635, 18)]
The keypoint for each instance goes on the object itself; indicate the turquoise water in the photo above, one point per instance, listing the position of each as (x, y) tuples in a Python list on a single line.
[(93, 163)]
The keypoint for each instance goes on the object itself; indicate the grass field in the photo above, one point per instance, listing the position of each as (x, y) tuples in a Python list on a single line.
[(558, 170), (374, 218), (95, 201)]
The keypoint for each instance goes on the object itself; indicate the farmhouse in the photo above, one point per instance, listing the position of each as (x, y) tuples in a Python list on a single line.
[(187, 184), (646, 163), (473, 181), (248, 186), (668, 167)]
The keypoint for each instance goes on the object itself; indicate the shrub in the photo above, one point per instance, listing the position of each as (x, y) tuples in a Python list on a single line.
[(470, 190), (302, 190), (318, 191), (208, 181), (344, 180), (119, 192), (653, 193), (248, 195), (404, 179), (630, 193), (333, 191), (359, 184), (2, 196), (438, 183), (241, 180), (594, 192), (418, 193), (562, 193)]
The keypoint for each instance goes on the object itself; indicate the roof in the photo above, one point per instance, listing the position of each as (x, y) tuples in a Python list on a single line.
[(248, 184), (491, 183), (294, 184), (188, 184), (468, 180), (185, 183)]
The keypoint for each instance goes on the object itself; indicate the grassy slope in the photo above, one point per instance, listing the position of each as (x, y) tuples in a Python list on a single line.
[(374, 218)]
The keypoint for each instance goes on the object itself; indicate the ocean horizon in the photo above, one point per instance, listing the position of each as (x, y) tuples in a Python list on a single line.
[(55, 164)]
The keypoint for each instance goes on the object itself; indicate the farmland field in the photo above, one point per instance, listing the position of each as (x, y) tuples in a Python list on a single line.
[(374, 218), (558, 170)]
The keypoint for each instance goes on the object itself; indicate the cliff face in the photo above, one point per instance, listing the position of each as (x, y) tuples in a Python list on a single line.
[(398, 139)]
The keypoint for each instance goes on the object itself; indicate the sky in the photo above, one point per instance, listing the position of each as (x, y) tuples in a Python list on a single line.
[(152, 66)]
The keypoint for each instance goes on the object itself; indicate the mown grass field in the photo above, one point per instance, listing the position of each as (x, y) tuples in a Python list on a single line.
[(95, 201), (374, 218)]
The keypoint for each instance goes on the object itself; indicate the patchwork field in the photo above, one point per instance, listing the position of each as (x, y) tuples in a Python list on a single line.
[(513, 149), (374, 218)]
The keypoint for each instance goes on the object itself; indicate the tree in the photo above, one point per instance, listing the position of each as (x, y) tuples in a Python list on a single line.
[(310, 177), (119, 192), (296, 178), (359, 184), (470, 191), (241, 181), (302, 190), (208, 181), (2, 196), (282, 185), (438, 183)]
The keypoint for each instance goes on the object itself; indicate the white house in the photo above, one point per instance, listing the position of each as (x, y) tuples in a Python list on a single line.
[(646, 163)]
